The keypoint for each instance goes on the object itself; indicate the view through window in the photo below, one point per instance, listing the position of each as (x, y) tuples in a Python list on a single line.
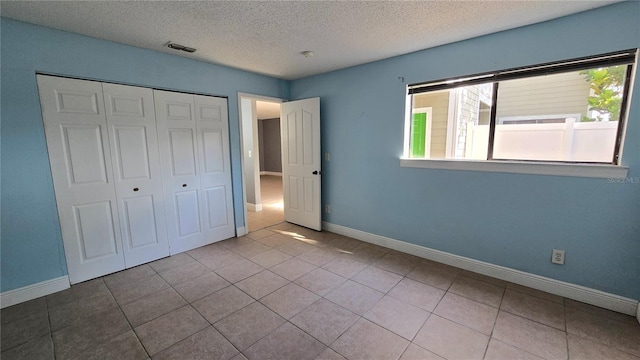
[(571, 111)]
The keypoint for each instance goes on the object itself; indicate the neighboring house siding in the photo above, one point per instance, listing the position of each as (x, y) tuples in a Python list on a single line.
[(543, 96), (439, 102)]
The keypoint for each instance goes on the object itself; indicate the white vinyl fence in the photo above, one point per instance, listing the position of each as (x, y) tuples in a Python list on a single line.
[(569, 141)]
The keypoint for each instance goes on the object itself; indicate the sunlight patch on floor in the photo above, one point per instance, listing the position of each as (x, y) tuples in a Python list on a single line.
[(276, 205)]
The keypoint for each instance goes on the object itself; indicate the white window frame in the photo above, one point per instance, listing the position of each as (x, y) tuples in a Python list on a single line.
[(604, 171), (521, 167), (452, 115)]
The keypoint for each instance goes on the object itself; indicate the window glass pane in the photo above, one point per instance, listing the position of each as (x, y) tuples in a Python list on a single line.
[(571, 116), (458, 127), (435, 106)]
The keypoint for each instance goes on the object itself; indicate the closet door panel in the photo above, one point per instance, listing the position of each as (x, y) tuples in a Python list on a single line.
[(213, 151), (187, 206), (140, 222), (94, 228), (216, 206), (182, 149), (179, 110), (131, 152), (180, 169), (81, 167), (85, 156), (138, 179)]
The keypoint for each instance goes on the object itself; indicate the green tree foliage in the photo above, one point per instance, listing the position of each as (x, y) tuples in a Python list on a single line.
[(606, 85)]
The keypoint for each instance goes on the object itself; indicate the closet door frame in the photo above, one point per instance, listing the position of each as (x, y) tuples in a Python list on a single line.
[(208, 187)]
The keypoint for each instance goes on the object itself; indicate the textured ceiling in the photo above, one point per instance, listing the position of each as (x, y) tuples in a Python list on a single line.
[(267, 36)]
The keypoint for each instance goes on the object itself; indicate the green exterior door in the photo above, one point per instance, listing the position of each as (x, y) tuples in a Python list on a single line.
[(418, 135)]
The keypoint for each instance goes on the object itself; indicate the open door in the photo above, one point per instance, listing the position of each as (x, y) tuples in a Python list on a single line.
[(300, 129)]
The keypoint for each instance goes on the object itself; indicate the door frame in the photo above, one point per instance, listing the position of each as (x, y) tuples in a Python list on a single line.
[(246, 96)]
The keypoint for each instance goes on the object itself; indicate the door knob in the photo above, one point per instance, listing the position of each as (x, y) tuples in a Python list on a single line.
[(184, 185), (136, 189), (316, 172)]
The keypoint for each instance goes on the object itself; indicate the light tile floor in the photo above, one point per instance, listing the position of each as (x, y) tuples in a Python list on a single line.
[(291, 293), (272, 208)]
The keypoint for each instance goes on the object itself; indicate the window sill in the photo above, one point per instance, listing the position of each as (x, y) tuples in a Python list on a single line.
[(517, 167)]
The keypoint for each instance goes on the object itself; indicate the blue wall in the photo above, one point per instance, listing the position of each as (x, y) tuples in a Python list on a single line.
[(31, 241), (505, 219)]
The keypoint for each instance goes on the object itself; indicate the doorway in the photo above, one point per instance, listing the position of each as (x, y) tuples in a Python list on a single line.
[(272, 212), (262, 161)]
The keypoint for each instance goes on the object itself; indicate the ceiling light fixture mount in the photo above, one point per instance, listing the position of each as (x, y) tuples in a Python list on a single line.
[(175, 46), (307, 53)]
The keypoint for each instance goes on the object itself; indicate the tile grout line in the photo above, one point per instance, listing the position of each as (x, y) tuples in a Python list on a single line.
[(532, 320), (207, 320), (187, 304), (232, 313), (53, 344), (148, 295), (595, 340), (500, 309), (118, 307), (125, 315), (493, 328), (364, 318), (216, 329)]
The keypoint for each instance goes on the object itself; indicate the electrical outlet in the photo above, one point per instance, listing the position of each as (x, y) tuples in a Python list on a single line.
[(557, 257), (327, 208)]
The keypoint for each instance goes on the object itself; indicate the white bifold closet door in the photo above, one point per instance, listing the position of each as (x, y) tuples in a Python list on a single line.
[(80, 156), (194, 151), (104, 162), (212, 127), (136, 169)]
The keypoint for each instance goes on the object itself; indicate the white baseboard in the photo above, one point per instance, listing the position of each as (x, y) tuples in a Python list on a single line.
[(273, 173), (30, 292), (254, 207), (576, 292), (241, 231)]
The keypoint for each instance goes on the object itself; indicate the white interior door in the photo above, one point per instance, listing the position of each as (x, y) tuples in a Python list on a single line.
[(79, 152), (176, 126), (212, 125), (137, 177), (300, 129)]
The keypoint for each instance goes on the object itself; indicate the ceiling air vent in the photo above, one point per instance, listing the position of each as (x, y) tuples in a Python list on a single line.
[(175, 46)]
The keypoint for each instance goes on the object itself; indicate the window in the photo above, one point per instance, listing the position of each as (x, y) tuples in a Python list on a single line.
[(569, 112)]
